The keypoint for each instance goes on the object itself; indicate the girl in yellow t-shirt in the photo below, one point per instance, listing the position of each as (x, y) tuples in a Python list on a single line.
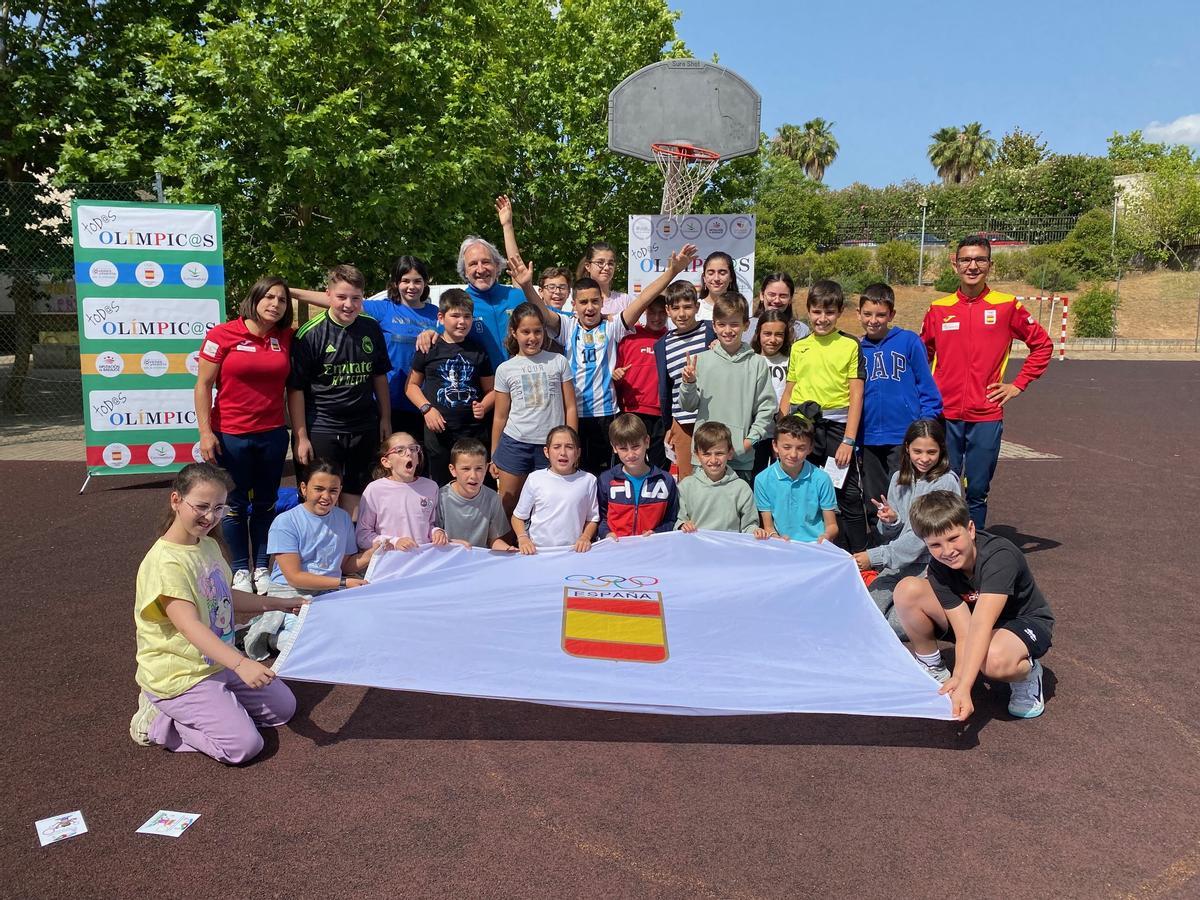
[(197, 691)]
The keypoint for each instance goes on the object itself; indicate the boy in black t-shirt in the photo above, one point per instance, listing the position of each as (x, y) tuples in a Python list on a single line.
[(981, 594), (337, 391), (451, 384)]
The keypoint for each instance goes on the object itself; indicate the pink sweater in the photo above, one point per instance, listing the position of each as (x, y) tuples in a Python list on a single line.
[(397, 509)]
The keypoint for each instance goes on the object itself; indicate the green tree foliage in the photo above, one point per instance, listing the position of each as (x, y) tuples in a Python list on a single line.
[(947, 280), (898, 260), (1020, 150), (352, 130), (1094, 313), (1091, 250), (791, 211), (1132, 153), (1163, 213)]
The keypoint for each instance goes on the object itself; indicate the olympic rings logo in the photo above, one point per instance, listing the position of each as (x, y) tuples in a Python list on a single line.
[(613, 581)]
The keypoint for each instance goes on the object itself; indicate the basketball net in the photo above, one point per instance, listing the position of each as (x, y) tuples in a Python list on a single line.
[(685, 169)]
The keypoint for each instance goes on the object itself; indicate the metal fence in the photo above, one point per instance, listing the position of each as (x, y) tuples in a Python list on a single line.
[(940, 232), (39, 349)]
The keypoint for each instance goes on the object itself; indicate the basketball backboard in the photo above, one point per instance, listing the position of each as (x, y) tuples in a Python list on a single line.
[(685, 101)]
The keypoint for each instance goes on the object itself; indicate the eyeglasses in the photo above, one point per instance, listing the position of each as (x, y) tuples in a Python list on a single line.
[(557, 288), (204, 510), (967, 261), (406, 450), (604, 263)]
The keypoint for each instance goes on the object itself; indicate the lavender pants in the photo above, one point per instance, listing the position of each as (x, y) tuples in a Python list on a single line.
[(219, 717)]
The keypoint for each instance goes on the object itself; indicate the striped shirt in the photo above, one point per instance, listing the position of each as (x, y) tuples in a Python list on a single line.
[(675, 348), (593, 356)]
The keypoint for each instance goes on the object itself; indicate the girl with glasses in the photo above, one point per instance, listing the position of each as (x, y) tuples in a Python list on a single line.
[(399, 508), (198, 693)]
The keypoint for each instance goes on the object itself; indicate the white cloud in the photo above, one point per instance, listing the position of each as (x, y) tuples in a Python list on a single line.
[(1184, 130)]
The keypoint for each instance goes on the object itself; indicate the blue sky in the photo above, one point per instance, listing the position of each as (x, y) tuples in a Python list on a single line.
[(889, 74)]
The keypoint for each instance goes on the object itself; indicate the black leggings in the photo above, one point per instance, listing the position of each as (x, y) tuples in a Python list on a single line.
[(852, 520)]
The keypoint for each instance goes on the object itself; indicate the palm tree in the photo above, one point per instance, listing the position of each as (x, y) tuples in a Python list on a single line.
[(813, 146), (959, 154), (977, 150), (787, 141), (944, 154)]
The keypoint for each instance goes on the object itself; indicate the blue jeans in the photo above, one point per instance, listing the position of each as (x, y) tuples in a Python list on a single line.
[(974, 449), (255, 462)]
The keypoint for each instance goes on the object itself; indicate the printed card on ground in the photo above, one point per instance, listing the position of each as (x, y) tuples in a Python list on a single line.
[(168, 823), (836, 472), (59, 828)]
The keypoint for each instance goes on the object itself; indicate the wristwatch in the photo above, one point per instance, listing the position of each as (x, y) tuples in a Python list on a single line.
[(848, 441), (342, 581), (424, 408)]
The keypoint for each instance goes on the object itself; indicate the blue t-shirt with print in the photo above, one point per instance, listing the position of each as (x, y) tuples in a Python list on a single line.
[(401, 324), (321, 542)]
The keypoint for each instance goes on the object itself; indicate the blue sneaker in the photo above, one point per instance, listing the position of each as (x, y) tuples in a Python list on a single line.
[(1026, 701)]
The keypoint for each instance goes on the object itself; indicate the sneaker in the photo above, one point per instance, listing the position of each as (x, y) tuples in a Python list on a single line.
[(262, 580), (938, 673), (242, 582), (143, 720), (1026, 701)]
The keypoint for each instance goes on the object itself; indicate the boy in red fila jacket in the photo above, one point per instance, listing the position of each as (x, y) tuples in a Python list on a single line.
[(636, 378), (967, 336), (635, 497)]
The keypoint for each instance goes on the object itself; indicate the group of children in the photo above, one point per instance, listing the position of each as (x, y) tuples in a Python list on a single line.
[(768, 436)]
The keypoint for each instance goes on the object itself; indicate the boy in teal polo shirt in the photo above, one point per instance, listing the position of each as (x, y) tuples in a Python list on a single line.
[(796, 498)]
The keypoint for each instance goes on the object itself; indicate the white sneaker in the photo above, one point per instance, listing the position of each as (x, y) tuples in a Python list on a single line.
[(262, 580), (143, 720), (1026, 701), (938, 673), (242, 582)]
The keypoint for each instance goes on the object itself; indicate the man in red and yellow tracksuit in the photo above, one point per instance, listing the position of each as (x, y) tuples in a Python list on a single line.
[(967, 336)]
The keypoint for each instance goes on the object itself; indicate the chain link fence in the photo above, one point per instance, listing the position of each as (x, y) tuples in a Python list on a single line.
[(941, 232), (39, 344)]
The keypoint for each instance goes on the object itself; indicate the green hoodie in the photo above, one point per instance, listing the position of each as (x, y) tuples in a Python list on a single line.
[(724, 505), (736, 391)]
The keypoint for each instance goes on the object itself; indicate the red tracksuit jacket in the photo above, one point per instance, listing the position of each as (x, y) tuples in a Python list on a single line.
[(968, 342), (637, 392)]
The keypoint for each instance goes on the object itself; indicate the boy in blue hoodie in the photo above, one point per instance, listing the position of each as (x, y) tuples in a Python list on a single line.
[(899, 388)]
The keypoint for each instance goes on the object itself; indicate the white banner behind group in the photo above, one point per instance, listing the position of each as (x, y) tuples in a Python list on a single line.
[(652, 240), (699, 624)]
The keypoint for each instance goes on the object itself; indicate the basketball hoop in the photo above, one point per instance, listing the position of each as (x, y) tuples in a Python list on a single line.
[(685, 169)]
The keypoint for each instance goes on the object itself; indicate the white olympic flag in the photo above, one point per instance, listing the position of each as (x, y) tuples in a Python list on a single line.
[(688, 624)]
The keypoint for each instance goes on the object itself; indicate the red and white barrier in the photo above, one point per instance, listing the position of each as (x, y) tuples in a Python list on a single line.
[(1054, 301)]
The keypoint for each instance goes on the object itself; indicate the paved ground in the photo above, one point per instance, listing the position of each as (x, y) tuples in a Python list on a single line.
[(370, 793)]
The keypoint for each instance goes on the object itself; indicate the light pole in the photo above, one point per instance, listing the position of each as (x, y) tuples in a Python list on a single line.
[(924, 204)]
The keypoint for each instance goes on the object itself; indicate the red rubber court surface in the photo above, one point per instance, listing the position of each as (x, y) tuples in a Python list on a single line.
[(371, 793)]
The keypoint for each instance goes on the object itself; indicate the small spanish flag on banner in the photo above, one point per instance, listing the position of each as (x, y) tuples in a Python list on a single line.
[(603, 626)]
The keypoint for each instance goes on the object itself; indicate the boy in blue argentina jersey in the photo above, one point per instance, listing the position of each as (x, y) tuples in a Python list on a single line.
[(591, 340)]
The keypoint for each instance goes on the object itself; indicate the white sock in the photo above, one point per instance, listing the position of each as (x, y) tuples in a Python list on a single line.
[(932, 660)]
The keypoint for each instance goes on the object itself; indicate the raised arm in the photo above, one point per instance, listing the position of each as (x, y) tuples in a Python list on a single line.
[(522, 276), (312, 298), (504, 210), (676, 263)]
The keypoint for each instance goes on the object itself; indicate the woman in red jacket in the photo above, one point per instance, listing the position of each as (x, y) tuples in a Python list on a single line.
[(242, 430)]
